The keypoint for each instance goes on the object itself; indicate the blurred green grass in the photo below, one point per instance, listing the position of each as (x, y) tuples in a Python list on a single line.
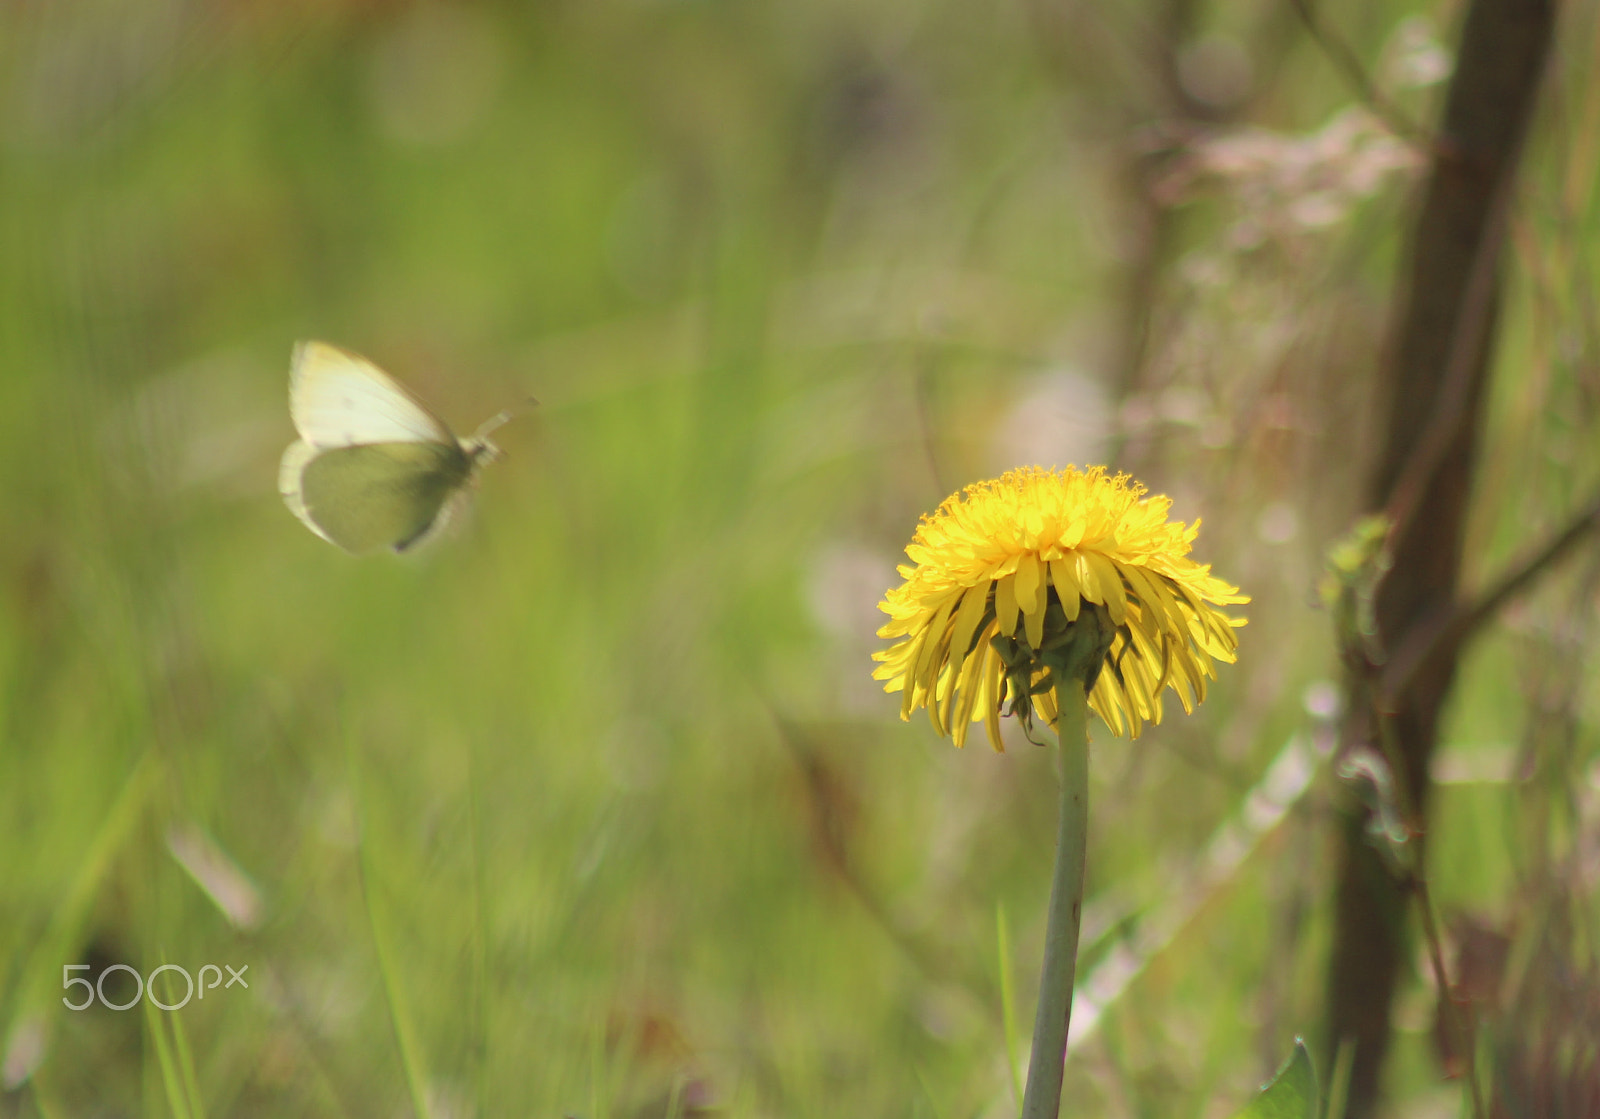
[(547, 820)]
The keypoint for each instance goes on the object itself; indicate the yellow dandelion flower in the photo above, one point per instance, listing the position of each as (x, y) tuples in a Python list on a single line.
[(1003, 578)]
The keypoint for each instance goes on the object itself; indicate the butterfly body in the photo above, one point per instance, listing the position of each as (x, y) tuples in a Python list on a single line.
[(373, 467)]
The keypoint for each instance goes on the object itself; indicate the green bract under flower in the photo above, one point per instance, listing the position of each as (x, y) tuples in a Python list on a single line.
[(1000, 575)]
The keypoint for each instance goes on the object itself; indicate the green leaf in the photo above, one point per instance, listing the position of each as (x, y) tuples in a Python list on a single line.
[(1291, 1094)]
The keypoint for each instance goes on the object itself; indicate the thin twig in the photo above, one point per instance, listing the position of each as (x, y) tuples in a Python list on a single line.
[(1452, 1009), (1416, 884), (1456, 626), (1349, 66), (1513, 582)]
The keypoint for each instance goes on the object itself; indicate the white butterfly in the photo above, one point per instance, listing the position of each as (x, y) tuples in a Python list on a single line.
[(373, 467)]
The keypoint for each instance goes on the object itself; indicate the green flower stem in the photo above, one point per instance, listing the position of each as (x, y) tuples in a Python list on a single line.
[(1042, 1099)]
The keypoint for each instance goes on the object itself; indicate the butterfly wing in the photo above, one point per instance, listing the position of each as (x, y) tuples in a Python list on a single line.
[(289, 470), (378, 495), (339, 399)]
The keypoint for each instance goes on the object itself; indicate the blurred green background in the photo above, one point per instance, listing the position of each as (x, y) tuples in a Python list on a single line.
[(592, 808)]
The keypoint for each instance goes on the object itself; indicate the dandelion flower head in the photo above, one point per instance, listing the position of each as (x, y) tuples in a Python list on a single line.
[(1003, 571)]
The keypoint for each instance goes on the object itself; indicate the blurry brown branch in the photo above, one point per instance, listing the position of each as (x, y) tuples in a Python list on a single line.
[(1464, 362), (1434, 381), (1344, 60), (1450, 632)]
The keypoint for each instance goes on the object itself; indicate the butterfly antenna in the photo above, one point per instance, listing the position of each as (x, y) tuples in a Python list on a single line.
[(500, 419)]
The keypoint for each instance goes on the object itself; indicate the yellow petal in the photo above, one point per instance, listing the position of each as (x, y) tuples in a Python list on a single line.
[(1005, 604), (968, 616), (939, 702), (1066, 584), (968, 686), (1088, 579), (1027, 586), (1033, 627), (909, 700), (993, 673), (1107, 703), (932, 651), (1072, 535), (1047, 707), (1170, 615), (1147, 616), (1110, 580)]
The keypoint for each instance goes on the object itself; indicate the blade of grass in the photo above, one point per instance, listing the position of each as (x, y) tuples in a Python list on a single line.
[(171, 1081), (191, 1082), (480, 947), (927, 1090), (1339, 1082), (675, 1098), (61, 935), (1008, 1002), (44, 1100), (399, 1016), (599, 1083)]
